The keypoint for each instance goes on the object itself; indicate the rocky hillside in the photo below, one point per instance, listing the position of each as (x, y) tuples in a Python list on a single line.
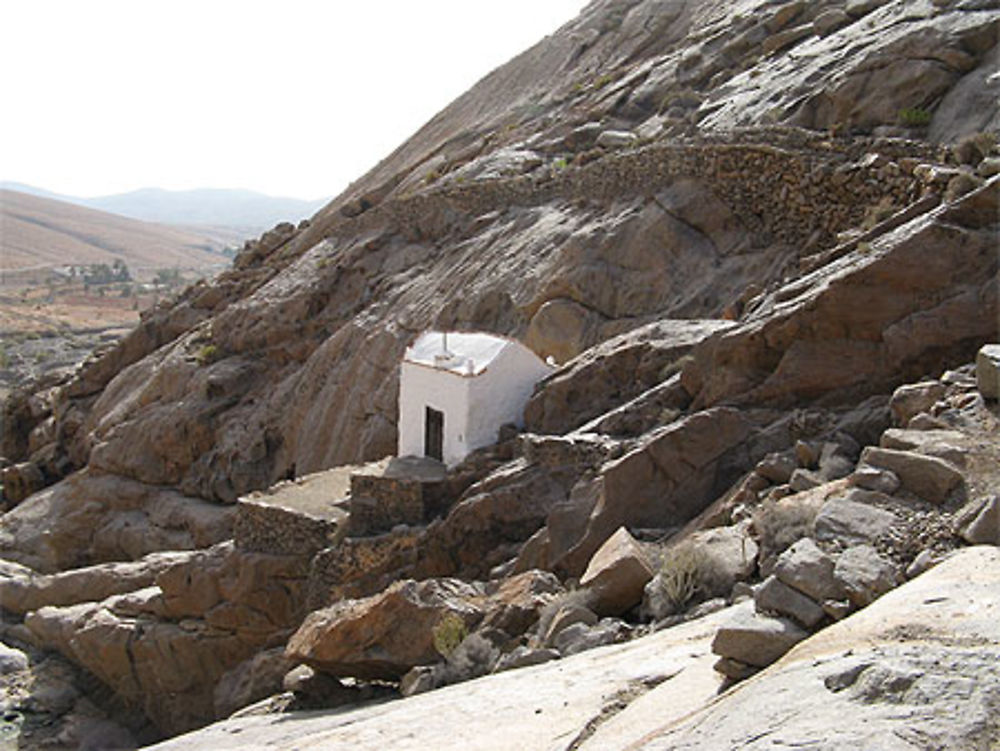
[(740, 227)]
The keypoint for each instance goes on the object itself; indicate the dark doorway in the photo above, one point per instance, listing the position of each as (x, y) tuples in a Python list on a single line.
[(434, 434)]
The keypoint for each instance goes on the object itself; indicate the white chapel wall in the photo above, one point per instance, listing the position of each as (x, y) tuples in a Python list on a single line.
[(498, 395), (420, 387)]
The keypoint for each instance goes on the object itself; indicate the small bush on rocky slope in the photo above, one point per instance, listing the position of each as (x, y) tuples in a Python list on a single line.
[(579, 597), (915, 117), (779, 524), (473, 658), (449, 634), (687, 573)]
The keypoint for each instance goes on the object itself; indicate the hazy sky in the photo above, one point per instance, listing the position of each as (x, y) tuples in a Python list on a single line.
[(288, 97)]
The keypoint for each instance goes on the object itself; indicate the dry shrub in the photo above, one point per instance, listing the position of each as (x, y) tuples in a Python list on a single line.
[(780, 523), (679, 577), (474, 657), (549, 611), (688, 573)]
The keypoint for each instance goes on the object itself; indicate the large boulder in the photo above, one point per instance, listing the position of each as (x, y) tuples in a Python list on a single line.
[(929, 477), (755, 639), (616, 575), (383, 636)]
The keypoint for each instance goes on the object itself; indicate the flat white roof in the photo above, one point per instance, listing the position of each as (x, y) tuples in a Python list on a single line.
[(471, 353)]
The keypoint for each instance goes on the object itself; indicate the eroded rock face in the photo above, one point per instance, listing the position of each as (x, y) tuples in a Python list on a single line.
[(613, 372), (919, 292), (666, 481), (90, 518), (166, 646), (898, 657), (590, 199)]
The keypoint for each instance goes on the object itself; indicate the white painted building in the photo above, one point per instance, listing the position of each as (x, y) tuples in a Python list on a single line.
[(456, 389)]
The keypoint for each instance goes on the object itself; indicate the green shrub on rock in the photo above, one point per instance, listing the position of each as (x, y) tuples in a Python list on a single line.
[(448, 634)]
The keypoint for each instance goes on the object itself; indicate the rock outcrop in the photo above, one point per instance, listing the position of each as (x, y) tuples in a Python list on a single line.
[(765, 267), (912, 650)]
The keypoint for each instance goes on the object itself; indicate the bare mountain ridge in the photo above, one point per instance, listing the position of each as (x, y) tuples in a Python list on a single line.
[(43, 232), (748, 262), (246, 212)]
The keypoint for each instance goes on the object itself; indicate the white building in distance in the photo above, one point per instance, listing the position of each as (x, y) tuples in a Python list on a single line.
[(456, 389)]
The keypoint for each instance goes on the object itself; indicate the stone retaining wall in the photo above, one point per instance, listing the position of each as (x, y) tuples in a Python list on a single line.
[(785, 185)]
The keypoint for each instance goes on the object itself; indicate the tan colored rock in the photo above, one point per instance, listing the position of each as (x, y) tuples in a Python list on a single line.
[(950, 445), (777, 467), (930, 478), (773, 596), (507, 506), (489, 714), (982, 526), (165, 647), (22, 590), (668, 479), (988, 371), (616, 575), (560, 329), (865, 575), (878, 480), (612, 373), (90, 518), (848, 520), (252, 680), (727, 555), (169, 669), (755, 639), (805, 567), (566, 616), (515, 605), (385, 635), (879, 657), (889, 308)]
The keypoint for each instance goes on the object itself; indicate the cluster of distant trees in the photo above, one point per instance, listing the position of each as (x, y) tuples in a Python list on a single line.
[(101, 273)]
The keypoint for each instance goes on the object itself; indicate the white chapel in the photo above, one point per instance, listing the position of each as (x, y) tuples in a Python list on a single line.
[(457, 388)]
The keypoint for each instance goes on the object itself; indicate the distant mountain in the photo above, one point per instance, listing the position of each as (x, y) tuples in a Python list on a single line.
[(243, 210), (37, 232)]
